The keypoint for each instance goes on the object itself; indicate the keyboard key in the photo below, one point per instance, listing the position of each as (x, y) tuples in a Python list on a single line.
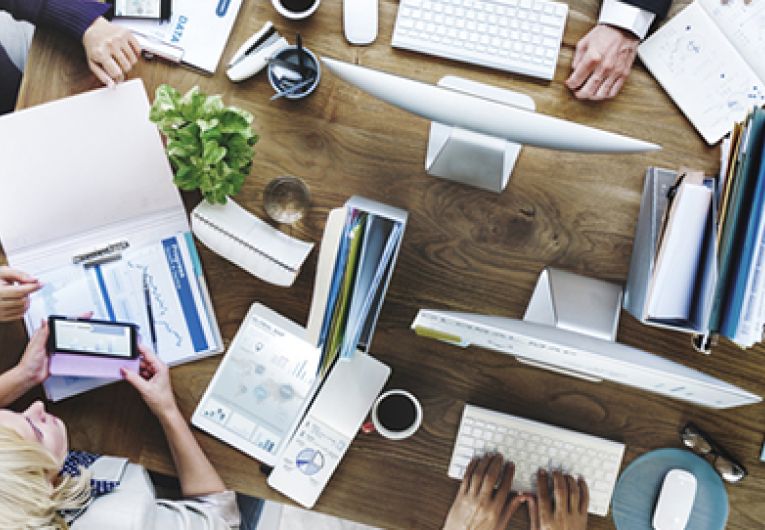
[(549, 20)]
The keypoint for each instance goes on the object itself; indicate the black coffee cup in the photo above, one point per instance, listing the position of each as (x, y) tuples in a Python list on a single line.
[(296, 9), (396, 414)]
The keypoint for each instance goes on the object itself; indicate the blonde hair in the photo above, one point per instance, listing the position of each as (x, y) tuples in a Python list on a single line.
[(28, 498)]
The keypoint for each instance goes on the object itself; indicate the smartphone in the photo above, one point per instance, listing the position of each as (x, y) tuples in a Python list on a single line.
[(91, 348), (146, 9)]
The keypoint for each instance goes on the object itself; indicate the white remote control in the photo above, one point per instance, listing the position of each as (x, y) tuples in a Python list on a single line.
[(360, 21)]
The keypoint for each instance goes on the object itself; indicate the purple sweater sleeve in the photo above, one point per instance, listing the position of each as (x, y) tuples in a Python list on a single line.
[(72, 17)]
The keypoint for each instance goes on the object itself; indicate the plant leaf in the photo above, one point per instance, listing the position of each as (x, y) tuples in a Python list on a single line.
[(209, 145)]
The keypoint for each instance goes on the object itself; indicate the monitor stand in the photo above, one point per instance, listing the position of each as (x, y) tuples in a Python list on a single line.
[(471, 158), (574, 303)]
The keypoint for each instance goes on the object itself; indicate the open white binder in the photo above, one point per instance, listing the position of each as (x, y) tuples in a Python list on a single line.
[(86, 173)]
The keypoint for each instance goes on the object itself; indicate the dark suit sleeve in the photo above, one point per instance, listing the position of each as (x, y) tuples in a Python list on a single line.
[(10, 80), (72, 17), (657, 7)]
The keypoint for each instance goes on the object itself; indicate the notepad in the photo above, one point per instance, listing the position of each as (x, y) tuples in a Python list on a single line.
[(709, 60), (242, 238)]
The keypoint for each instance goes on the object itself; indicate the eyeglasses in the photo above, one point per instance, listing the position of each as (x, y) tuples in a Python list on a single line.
[(700, 443)]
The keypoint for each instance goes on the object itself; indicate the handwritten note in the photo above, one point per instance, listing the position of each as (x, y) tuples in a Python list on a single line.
[(744, 25), (703, 72)]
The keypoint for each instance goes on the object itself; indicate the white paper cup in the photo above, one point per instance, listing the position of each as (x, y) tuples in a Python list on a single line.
[(408, 431)]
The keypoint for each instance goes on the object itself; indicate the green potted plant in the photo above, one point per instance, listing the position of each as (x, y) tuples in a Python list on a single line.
[(210, 145)]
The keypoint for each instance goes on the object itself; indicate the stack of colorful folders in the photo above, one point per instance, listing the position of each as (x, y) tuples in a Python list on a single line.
[(738, 309), (371, 237)]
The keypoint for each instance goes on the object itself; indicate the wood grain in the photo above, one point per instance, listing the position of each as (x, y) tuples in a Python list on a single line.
[(464, 249)]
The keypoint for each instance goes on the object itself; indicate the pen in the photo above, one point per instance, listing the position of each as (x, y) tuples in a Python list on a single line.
[(150, 314), (292, 89), (300, 54)]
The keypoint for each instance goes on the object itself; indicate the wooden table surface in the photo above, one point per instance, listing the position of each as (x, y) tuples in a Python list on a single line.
[(464, 249)]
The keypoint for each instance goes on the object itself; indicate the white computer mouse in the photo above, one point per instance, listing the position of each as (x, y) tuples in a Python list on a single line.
[(673, 508)]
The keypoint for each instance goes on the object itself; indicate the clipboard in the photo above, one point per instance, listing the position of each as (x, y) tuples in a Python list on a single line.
[(91, 201)]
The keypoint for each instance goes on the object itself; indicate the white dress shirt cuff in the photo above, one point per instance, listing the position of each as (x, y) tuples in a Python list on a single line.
[(626, 16)]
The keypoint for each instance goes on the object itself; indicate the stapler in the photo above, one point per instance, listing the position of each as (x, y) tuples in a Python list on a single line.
[(254, 54)]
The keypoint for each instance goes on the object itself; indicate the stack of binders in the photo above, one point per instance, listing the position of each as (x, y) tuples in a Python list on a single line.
[(738, 311), (356, 260), (697, 261)]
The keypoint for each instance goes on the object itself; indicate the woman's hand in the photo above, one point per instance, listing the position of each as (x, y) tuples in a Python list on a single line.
[(480, 505), (33, 365), (111, 50), (153, 384), (571, 496), (15, 288)]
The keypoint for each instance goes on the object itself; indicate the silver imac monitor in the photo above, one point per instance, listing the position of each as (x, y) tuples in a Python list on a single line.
[(482, 115), (569, 328)]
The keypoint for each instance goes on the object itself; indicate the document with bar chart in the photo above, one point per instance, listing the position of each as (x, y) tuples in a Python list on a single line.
[(262, 386)]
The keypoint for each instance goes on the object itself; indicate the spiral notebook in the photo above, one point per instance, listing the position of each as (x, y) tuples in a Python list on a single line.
[(242, 238)]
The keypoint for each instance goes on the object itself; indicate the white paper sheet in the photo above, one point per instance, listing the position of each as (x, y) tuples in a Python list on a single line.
[(744, 25), (114, 291), (200, 28), (670, 292), (702, 72)]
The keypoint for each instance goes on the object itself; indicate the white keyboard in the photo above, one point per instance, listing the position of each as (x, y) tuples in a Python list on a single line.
[(531, 445), (521, 36)]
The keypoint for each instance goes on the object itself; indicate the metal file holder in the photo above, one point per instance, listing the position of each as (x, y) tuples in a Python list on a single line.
[(471, 158)]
